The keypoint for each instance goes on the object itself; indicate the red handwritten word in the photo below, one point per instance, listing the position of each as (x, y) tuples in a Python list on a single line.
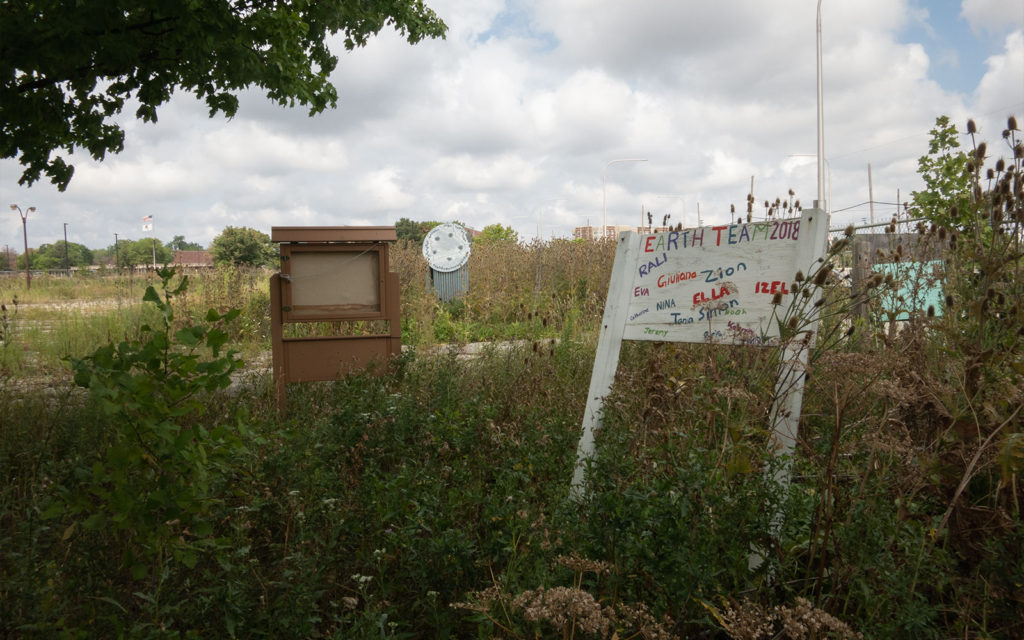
[(700, 297), (671, 278), (771, 288)]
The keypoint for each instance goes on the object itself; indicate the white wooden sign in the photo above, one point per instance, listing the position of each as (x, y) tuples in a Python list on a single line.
[(708, 284), (711, 284)]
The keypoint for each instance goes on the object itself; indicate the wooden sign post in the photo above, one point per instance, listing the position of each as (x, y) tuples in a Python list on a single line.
[(332, 274), (709, 284)]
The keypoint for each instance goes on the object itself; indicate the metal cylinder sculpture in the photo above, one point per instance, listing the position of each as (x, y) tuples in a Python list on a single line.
[(447, 248)]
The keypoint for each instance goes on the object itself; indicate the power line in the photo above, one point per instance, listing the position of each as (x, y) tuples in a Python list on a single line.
[(854, 206)]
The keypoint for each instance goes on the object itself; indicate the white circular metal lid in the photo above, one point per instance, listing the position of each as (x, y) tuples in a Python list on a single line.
[(446, 247)]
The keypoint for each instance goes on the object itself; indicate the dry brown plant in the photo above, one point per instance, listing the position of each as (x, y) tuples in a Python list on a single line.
[(748, 620)]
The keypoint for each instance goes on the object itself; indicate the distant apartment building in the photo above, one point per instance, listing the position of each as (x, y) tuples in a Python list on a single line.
[(595, 233), (611, 232)]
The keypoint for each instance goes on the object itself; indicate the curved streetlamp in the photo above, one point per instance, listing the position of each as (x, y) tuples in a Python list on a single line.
[(24, 230), (604, 189)]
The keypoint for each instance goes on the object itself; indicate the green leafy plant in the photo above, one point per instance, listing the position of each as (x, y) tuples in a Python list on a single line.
[(154, 486), (8, 316), (946, 171)]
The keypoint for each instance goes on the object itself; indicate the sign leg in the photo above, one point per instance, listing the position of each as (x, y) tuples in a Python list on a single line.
[(606, 361)]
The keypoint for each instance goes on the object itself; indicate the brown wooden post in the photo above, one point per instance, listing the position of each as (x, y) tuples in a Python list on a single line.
[(394, 315), (277, 343)]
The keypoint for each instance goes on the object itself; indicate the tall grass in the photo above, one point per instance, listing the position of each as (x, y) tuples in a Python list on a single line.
[(517, 292), (539, 290)]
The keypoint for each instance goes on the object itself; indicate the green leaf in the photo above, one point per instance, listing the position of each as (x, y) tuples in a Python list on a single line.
[(189, 336), (115, 602), (188, 558), (54, 510), (95, 522), (216, 340)]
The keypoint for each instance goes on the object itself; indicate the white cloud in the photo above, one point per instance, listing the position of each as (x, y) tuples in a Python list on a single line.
[(992, 16), (251, 148), (1002, 86), (471, 173), (513, 117), (383, 190)]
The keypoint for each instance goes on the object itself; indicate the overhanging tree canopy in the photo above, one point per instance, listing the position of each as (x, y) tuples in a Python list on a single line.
[(67, 67)]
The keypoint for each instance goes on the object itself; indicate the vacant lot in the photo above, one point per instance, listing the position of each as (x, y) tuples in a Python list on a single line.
[(431, 499)]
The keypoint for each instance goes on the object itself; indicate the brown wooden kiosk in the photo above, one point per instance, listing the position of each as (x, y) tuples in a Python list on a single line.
[(331, 274)]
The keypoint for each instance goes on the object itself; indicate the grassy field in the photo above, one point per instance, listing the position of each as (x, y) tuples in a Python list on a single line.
[(144, 495)]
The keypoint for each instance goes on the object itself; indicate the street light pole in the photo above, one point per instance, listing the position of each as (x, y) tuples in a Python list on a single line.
[(67, 265), (24, 231), (604, 189)]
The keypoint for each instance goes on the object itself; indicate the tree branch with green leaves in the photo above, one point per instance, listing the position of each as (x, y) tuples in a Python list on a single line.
[(67, 69)]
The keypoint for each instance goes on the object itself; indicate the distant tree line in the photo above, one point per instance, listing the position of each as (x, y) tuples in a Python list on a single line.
[(235, 245), (241, 246), (413, 232)]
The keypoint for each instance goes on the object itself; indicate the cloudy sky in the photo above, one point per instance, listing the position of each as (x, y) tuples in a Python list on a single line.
[(516, 118)]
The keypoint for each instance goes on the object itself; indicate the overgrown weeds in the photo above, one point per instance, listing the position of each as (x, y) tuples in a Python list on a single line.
[(430, 501)]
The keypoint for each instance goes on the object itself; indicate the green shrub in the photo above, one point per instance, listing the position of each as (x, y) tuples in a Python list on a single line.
[(149, 491)]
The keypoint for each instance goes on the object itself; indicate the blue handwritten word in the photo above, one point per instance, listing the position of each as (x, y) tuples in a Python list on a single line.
[(722, 309), (653, 264), (714, 275)]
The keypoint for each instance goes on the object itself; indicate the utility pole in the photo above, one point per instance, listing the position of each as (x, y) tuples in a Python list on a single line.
[(871, 195), (117, 256)]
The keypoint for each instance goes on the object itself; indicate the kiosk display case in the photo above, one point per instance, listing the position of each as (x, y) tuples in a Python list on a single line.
[(332, 274)]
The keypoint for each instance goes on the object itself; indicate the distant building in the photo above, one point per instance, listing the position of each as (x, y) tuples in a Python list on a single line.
[(594, 233), (192, 259), (611, 232)]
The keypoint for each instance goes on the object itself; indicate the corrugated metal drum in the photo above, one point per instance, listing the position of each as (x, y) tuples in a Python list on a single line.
[(447, 248)]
